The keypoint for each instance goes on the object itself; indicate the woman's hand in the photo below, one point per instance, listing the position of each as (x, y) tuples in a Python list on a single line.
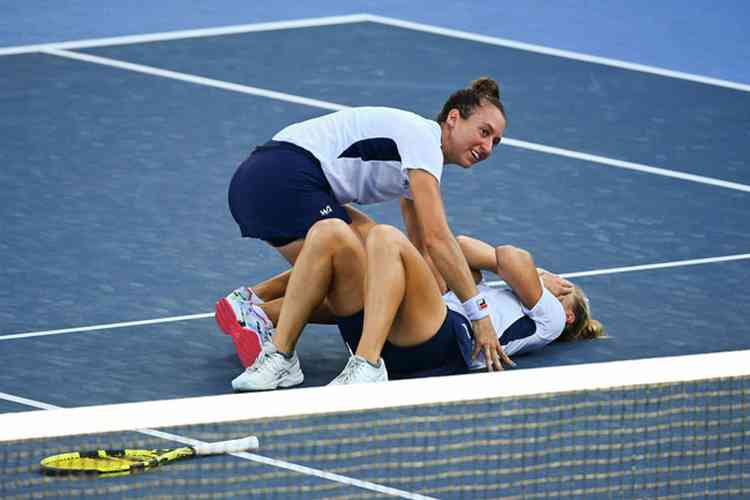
[(486, 342), (557, 286)]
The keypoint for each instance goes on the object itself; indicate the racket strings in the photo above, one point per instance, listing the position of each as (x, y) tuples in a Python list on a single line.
[(103, 461), (106, 462)]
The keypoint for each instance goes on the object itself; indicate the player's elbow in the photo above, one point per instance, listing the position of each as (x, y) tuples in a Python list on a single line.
[(508, 256), (505, 252)]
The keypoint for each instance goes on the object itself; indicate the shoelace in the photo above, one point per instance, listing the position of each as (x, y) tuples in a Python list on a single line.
[(266, 335), (249, 312), (243, 293), (267, 358), (350, 370), (246, 309), (246, 294)]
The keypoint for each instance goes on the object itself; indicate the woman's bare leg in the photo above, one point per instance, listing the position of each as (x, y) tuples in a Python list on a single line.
[(275, 287), (402, 300), (321, 315), (330, 266), (361, 224)]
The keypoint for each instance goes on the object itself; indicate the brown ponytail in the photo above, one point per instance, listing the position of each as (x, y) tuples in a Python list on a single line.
[(466, 100), (486, 86)]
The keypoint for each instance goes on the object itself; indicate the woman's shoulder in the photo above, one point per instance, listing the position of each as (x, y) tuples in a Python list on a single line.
[(408, 129), (399, 115)]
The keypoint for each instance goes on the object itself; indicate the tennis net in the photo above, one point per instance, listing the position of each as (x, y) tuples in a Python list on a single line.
[(659, 428)]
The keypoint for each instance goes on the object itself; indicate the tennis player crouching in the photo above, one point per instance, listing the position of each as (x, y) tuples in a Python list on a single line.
[(390, 311), (314, 170)]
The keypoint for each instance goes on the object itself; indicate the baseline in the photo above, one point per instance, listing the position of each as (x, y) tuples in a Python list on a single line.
[(566, 54), (182, 34), (389, 21)]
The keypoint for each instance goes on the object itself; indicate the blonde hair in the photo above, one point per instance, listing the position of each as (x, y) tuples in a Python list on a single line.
[(584, 327)]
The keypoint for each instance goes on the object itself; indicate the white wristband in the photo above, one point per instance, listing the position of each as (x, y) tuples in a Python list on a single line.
[(476, 307)]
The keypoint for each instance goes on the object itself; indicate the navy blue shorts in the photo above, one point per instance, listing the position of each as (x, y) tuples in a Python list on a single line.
[(279, 192), (440, 355)]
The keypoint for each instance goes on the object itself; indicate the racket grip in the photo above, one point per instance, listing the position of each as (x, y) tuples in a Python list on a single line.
[(232, 446)]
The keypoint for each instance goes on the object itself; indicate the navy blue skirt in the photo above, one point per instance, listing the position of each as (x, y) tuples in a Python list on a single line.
[(440, 355), (279, 192)]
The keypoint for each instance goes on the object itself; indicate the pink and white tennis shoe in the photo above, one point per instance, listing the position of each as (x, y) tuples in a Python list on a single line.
[(239, 316)]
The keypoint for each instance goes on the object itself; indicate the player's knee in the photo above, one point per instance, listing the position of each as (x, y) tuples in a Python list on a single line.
[(329, 231), (327, 228), (384, 235)]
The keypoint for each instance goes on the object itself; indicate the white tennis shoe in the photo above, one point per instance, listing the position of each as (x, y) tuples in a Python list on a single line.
[(359, 371), (247, 294), (245, 322), (270, 371)]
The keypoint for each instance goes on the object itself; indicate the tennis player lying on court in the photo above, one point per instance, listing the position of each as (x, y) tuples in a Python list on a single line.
[(407, 328)]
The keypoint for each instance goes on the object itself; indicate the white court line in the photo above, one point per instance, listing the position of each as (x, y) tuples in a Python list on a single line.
[(644, 267), (664, 265), (108, 326), (627, 165), (245, 89), (367, 485), (567, 54), (182, 34), (595, 272), (198, 80), (358, 18), (27, 402)]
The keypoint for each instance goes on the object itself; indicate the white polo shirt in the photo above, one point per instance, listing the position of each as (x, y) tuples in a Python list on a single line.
[(505, 309), (365, 152)]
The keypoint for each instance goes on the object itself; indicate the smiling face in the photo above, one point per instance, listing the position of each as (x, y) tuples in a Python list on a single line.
[(471, 140)]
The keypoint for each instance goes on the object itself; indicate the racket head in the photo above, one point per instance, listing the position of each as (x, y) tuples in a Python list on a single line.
[(106, 463)]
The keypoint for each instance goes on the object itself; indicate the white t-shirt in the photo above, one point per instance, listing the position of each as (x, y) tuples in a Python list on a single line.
[(547, 314), (365, 152)]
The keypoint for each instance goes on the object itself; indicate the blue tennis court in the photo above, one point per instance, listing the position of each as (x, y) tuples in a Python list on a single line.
[(117, 157)]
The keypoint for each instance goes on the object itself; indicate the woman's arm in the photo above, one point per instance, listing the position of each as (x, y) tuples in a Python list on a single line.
[(447, 257), (414, 232), (514, 265), (436, 236), (479, 255), (517, 268)]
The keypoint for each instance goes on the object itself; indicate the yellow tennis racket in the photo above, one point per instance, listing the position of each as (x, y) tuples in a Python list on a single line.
[(105, 463)]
